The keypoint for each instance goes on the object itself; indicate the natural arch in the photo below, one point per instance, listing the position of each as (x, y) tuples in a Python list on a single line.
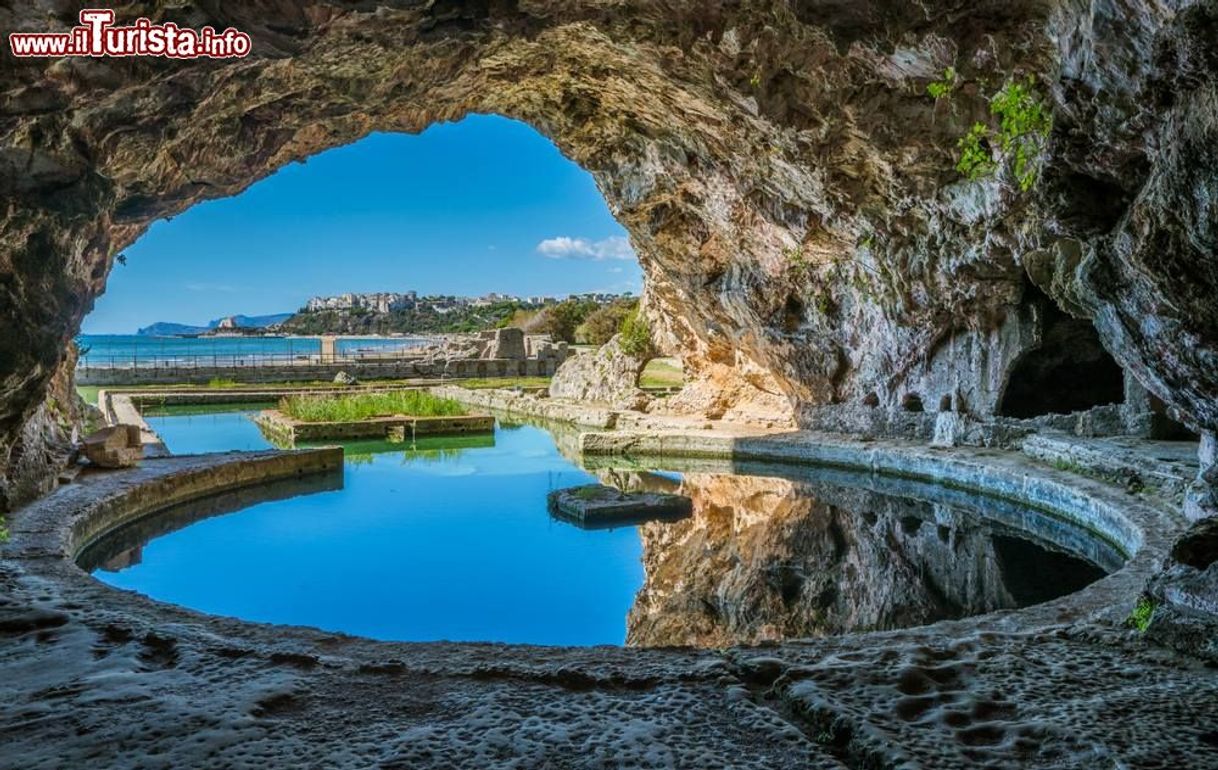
[(755, 151)]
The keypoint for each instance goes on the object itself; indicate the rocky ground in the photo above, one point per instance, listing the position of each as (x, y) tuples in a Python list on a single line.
[(99, 677)]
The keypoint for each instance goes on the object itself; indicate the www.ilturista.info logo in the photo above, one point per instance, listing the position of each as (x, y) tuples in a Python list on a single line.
[(97, 36)]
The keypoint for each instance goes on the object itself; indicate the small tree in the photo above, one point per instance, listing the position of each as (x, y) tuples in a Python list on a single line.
[(604, 322), (636, 335)]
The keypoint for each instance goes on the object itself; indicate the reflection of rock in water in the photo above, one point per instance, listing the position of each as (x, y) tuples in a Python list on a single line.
[(766, 558), (123, 559)]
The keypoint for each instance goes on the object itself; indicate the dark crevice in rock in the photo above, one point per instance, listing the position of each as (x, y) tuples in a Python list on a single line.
[(1069, 370)]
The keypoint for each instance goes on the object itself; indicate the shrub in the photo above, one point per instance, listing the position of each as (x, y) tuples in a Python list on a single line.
[(560, 320), (362, 406), (636, 335), (944, 86), (604, 322), (1142, 613), (1024, 123)]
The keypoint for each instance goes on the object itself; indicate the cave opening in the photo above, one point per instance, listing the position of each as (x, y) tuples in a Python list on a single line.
[(468, 225), (1069, 371)]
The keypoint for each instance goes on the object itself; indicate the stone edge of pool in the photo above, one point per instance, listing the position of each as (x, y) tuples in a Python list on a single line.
[(266, 686)]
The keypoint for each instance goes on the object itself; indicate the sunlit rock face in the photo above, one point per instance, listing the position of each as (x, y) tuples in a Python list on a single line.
[(765, 559), (786, 180)]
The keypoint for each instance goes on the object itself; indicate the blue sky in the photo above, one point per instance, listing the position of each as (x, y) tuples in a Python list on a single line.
[(486, 204)]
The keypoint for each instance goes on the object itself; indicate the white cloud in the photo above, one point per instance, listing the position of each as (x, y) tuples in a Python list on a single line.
[(564, 247), (615, 270)]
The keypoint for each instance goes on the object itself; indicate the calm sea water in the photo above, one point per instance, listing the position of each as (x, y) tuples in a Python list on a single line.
[(451, 539), (102, 349)]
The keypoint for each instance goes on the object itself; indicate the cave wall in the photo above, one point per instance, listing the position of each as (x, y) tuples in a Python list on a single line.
[(785, 179)]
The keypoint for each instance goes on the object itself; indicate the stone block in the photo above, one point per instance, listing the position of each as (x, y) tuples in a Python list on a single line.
[(507, 343), (117, 446), (596, 506)]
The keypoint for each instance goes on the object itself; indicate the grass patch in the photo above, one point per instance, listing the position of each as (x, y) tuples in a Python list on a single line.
[(480, 383), (362, 406), (1142, 614), (221, 382), (662, 373), (88, 393), (3, 530), (589, 493)]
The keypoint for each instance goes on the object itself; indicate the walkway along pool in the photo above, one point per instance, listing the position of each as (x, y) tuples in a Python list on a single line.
[(450, 539)]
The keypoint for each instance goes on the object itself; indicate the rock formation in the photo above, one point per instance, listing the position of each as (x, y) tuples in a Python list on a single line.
[(765, 559), (608, 375), (786, 178)]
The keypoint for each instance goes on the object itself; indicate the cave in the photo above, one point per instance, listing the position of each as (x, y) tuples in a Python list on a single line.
[(808, 228), (1068, 371)]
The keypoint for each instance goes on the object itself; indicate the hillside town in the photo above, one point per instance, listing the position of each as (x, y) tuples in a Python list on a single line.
[(388, 302)]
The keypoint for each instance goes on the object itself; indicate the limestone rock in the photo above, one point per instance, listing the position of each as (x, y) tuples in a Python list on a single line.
[(117, 446), (607, 375), (506, 343), (344, 378)]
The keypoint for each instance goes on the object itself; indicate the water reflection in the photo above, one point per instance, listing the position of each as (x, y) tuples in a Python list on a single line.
[(450, 538), (766, 558), (124, 547)]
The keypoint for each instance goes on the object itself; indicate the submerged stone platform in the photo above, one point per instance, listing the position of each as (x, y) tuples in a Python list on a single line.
[(597, 506), (282, 430), (94, 676)]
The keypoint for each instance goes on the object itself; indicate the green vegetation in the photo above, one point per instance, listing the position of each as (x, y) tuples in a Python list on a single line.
[(362, 406), (422, 319), (1142, 614), (798, 261), (604, 322), (3, 530), (562, 319), (1024, 123), (662, 373), (636, 335), (220, 382), (944, 86), (504, 382), (591, 492), (88, 393), (975, 159)]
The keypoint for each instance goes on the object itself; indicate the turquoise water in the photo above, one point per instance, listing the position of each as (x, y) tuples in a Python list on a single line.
[(188, 434), (450, 539), (121, 349), (441, 542)]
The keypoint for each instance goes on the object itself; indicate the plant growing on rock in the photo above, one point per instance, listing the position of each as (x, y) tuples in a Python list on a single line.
[(1024, 123), (636, 335), (944, 85), (1142, 614), (799, 262)]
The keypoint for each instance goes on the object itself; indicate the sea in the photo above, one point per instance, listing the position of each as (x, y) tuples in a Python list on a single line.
[(123, 349)]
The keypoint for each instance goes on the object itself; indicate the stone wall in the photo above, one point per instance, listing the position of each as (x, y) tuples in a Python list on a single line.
[(361, 370)]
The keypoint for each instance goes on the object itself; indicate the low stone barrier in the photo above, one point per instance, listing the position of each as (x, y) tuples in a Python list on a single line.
[(282, 430), (172, 374), (152, 491)]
